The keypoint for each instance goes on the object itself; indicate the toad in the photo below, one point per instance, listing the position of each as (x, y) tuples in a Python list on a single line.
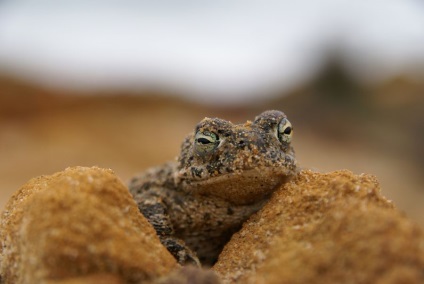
[(224, 173)]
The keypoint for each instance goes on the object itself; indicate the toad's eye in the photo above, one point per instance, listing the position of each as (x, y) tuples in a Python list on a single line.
[(285, 131), (205, 141)]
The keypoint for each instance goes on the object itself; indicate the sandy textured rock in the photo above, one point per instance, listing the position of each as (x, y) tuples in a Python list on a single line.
[(81, 222), (189, 275), (326, 228), (108, 278)]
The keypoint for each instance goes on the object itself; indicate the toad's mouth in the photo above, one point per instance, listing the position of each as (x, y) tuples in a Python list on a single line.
[(242, 187)]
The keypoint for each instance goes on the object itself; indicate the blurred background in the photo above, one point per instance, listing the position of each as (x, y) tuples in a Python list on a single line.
[(119, 84)]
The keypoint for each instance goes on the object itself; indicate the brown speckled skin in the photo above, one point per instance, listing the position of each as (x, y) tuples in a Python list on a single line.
[(198, 202)]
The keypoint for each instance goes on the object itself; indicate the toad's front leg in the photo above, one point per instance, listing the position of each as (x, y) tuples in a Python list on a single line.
[(155, 210)]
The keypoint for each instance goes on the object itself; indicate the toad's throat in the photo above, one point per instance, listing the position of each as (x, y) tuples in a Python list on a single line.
[(243, 187)]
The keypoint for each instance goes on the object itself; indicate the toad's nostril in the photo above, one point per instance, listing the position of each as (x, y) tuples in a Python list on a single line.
[(242, 143)]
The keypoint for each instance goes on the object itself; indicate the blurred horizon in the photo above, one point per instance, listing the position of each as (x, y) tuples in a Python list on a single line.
[(232, 52)]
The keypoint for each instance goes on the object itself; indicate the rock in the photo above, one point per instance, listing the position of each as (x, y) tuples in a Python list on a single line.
[(82, 226), (78, 226), (108, 278), (190, 275), (326, 228)]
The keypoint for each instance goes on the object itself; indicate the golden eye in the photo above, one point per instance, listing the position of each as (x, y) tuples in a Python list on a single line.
[(205, 141), (285, 131)]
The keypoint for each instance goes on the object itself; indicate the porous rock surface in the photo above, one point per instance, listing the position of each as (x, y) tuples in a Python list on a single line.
[(325, 228), (80, 225), (189, 275)]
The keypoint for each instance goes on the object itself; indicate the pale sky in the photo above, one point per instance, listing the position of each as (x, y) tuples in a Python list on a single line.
[(213, 51)]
